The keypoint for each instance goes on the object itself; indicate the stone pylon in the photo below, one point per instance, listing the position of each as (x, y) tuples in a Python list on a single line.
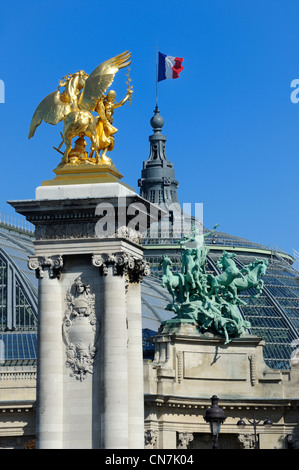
[(89, 262)]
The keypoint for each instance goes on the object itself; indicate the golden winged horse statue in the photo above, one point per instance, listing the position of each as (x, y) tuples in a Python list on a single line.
[(83, 94)]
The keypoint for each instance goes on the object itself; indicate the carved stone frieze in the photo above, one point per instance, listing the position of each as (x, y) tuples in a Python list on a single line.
[(122, 264), (252, 359), (62, 231), (76, 229), (53, 264), (80, 329)]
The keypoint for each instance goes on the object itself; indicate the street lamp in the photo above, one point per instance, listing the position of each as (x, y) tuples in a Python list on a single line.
[(215, 417), (241, 425)]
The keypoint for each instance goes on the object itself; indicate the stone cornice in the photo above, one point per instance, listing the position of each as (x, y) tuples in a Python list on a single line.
[(47, 211), (191, 403), (17, 407)]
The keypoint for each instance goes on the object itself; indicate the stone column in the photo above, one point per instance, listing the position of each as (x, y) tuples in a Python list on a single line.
[(135, 355), (122, 408), (114, 361), (49, 409)]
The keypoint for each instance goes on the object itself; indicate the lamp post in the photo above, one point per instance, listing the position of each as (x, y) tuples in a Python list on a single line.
[(215, 417), (241, 425)]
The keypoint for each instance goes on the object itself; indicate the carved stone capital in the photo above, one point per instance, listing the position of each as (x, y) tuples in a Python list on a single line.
[(122, 264), (292, 441), (184, 439), (101, 261), (40, 264), (246, 441), (150, 438), (138, 270)]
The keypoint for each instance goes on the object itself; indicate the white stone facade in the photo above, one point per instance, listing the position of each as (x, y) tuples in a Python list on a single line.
[(189, 368)]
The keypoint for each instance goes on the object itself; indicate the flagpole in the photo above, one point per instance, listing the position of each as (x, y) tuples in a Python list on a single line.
[(157, 75)]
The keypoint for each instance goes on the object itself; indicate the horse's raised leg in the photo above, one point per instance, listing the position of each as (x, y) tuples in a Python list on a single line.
[(96, 149), (68, 143), (104, 158), (259, 288), (91, 133), (96, 152)]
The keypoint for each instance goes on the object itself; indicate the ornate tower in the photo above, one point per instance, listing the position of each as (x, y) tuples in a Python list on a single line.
[(157, 183)]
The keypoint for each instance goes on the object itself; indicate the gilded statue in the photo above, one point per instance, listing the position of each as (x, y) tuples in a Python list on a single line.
[(77, 97)]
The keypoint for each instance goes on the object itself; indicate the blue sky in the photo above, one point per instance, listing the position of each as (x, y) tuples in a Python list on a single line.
[(232, 130)]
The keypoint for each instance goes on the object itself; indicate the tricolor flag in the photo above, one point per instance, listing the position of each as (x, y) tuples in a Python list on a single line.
[(169, 67)]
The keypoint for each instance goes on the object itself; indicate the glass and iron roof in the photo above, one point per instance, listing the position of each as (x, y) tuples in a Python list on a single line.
[(274, 315), (18, 296), (18, 348)]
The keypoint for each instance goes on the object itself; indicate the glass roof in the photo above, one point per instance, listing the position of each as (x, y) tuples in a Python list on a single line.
[(220, 239), (17, 245), (274, 315), (18, 348), (154, 300)]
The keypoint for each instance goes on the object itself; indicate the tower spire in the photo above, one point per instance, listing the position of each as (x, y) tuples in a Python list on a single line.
[(157, 183)]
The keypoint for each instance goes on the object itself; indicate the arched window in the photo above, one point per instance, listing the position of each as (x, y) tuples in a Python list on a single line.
[(23, 310), (18, 309)]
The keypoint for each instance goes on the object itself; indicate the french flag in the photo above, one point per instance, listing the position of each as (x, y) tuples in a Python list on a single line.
[(169, 67)]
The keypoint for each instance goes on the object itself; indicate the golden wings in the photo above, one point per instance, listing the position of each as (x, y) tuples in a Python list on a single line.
[(56, 106)]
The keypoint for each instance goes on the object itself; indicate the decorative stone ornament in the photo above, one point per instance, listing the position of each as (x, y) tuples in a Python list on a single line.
[(80, 329), (184, 440), (122, 264), (53, 264), (150, 438), (246, 441)]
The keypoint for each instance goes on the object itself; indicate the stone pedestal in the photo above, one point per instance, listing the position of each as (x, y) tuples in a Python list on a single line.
[(89, 263), (190, 367), (188, 362)]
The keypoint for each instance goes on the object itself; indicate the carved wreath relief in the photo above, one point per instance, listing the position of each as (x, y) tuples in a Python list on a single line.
[(80, 329)]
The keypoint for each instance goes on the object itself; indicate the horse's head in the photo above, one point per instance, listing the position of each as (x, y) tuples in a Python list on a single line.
[(264, 267), (261, 264), (225, 258), (165, 261)]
